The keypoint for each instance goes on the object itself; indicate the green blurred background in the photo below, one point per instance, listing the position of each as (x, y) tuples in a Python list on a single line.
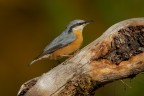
[(27, 26)]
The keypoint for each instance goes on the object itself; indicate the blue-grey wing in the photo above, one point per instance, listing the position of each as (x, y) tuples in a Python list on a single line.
[(61, 41)]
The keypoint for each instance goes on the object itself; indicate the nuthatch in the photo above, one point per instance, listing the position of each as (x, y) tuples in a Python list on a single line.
[(66, 43)]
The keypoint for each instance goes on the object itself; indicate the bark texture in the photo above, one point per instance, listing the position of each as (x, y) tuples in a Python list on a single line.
[(117, 54)]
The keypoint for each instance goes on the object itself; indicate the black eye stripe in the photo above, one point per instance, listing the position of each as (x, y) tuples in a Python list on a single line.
[(77, 24), (81, 23)]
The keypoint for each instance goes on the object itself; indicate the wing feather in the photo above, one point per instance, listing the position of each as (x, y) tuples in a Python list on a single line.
[(61, 41)]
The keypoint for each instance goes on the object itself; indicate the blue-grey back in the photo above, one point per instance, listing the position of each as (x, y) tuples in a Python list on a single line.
[(62, 40)]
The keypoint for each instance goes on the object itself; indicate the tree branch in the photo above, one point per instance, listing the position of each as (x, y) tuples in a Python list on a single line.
[(117, 54)]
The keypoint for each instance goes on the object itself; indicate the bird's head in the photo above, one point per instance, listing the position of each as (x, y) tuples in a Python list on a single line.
[(77, 25)]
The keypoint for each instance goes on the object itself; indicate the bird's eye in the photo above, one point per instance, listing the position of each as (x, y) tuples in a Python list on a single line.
[(80, 23)]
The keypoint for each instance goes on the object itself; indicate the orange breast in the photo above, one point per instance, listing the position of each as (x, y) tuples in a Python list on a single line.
[(75, 45)]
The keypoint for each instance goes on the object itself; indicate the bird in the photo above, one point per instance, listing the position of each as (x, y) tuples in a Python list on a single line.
[(69, 41)]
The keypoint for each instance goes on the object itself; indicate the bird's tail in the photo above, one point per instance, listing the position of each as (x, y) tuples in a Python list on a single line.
[(39, 58)]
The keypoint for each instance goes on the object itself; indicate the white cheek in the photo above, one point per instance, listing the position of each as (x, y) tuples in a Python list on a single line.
[(78, 27)]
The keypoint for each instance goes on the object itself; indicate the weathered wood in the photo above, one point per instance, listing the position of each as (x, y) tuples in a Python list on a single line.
[(117, 54)]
